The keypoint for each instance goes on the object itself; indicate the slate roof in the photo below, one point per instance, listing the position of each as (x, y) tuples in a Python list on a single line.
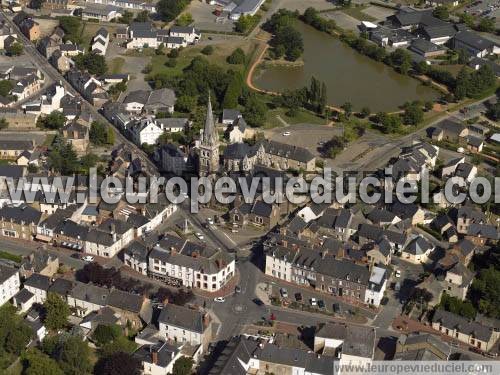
[(474, 40), (182, 317), (343, 270), (483, 230), (230, 114), (90, 293), (423, 46), (23, 296), (239, 151), (8, 144), (463, 325), (125, 301), (6, 272), (418, 246), (287, 151), (38, 281), (62, 287), (22, 214), (166, 353), (358, 340)]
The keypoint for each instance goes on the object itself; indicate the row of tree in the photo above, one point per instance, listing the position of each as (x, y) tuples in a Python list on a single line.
[(313, 98), (287, 42)]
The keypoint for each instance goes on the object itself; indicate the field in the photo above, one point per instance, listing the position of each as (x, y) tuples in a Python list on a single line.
[(302, 117), (357, 12)]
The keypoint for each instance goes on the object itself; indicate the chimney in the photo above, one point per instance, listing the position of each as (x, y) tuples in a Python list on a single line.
[(154, 356)]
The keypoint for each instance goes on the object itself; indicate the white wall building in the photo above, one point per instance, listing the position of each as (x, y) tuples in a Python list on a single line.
[(9, 283)]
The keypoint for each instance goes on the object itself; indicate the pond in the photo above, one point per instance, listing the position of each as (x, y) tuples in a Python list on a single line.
[(349, 76)]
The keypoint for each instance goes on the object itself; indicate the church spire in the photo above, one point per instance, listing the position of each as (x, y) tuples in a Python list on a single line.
[(209, 132)]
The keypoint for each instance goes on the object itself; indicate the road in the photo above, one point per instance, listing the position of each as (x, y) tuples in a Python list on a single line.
[(41, 62)]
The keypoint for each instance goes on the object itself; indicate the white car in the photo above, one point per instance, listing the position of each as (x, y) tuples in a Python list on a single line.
[(314, 302), (286, 134), (88, 258), (284, 293), (199, 235), (210, 220), (219, 299), (398, 273)]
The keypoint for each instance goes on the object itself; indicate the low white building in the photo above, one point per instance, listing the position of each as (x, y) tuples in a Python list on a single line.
[(101, 12), (376, 286), (146, 131), (417, 250), (188, 33), (100, 42), (246, 8), (38, 285), (9, 283)]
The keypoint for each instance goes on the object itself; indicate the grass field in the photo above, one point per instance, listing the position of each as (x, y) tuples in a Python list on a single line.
[(356, 12), (116, 65), (302, 117), (9, 256)]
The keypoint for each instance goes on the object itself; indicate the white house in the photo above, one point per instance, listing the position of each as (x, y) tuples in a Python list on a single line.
[(9, 283), (38, 285), (158, 359), (376, 286), (182, 324), (100, 42), (188, 33), (86, 298), (417, 250), (146, 131)]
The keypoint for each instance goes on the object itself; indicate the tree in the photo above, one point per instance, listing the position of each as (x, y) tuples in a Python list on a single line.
[(493, 112), (91, 62), (36, 4), (174, 53), (255, 111), (485, 292), (15, 334), (441, 12), (486, 25), (15, 49), (467, 18), (347, 107), (6, 87), (98, 134), (365, 112), (54, 121), (183, 366), (413, 114), (110, 138), (62, 157), (105, 334), (72, 27), (390, 123), (142, 16), (207, 50), (245, 23), (456, 306), (121, 344), (4, 124), (118, 364), (428, 105), (237, 57), (37, 363), (71, 353), (184, 19), (185, 104), (170, 9), (88, 161), (233, 91), (56, 312)]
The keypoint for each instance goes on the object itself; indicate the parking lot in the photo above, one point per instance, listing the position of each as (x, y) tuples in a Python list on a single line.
[(204, 19), (485, 8)]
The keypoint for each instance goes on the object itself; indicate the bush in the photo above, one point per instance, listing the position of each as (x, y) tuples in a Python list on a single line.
[(237, 57), (208, 50), (171, 63)]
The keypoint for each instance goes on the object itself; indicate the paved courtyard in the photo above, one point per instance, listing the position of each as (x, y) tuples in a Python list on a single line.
[(204, 19)]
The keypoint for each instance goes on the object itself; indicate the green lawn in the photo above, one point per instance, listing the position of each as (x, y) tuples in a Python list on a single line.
[(302, 117), (115, 66), (356, 12), (9, 256)]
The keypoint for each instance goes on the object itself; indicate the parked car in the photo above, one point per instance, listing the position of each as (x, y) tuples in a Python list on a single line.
[(298, 297), (286, 134), (398, 273), (237, 289), (210, 220), (284, 293), (258, 301), (219, 299), (313, 302), (336, 308), (88, 258), (199, 235), (321, 304)]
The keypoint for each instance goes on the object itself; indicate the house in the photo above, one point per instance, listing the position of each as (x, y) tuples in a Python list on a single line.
[(173, 124), (19, 221), (474, 44), (88, 86), (377, 285), (229, 116), (184, 325), (437, 3), (23, 300), (481, 234), (150, 102), (312, 212), (87, 298), (30, 28), (61, 62), (77, 135), (426, 48), (450, 167), (40, 262), (421, 346), (33, 319), (238, 131), (172, 159), (466, 171), (9, 283), (463, 330), (26, 87), (445, 226), (246, 8), (135, 256), (38, 285), (379, 252), (243, 355), (69, 49), (417, 250), (457, 280), (18, 119), (383, 217), (104, 13), (180, 262), (451, 131), (109, 238), (132, 309), (437, 34), (100, 42), (350, 344), (158, 358), (145, 131), (187, 33), (12, 149), (257, 213), (467, 215), (391, 37), (475, 144)]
